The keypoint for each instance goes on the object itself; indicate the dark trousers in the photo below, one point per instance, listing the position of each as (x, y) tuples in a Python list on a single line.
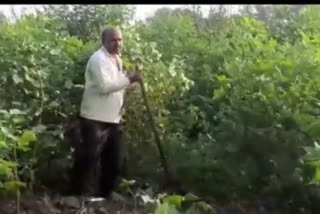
[(97, 158)]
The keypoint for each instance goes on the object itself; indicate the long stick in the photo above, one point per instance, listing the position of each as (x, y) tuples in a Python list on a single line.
[(156, 135)]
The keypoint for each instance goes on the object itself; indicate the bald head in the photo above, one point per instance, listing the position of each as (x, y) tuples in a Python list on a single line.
[(112, 40)]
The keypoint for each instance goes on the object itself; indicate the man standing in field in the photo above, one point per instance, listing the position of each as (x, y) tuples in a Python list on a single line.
[(100, 116)]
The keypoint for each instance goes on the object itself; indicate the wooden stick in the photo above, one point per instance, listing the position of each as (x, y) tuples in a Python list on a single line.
[(171, 178), (156, 135)]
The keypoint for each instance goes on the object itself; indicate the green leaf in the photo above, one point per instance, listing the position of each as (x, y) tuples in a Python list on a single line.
[(39, 128), (8, 163), (317, 175), (3, 145), (312, 155), (190, 197), (6, 168), (25, 68), (31, 80), (147, 199), (17, 79), (26, 138), (18, 120), (175, 200), (165, 208), (193, 210), (54, 52), (16, 112), (218, 94), (223, 79), (6, 132), (172, 71), (314, 129), (201, 208), (68, 84), (4, 112), (204, 206), (13, 186), (127, 183)]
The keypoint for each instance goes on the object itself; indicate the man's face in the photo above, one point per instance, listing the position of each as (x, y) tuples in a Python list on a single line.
[(114, 42)]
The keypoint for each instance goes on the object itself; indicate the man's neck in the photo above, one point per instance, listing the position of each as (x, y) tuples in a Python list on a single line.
[(112, 54)]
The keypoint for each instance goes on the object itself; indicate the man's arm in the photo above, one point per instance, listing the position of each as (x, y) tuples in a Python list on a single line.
[(106, 83)]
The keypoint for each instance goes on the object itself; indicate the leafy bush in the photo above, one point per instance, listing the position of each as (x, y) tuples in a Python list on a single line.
[(235, 102)]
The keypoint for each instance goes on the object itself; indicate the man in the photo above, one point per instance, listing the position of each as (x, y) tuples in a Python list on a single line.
[(100, 116)]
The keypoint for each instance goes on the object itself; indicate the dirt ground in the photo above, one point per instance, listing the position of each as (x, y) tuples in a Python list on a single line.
[(116, 205), (67, 205)]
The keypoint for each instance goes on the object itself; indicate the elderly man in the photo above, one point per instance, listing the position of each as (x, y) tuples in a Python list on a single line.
[(100, 114)]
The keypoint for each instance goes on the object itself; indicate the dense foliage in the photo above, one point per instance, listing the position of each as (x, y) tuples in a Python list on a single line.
[(235, 98)]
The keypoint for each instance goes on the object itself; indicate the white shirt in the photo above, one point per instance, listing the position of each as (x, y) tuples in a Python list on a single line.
[(104, 88)]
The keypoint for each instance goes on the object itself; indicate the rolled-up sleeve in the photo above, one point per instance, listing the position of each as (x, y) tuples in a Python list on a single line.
[(106, 83)]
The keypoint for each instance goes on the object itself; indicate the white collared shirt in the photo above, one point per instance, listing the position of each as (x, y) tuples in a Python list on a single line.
[(104, 89)]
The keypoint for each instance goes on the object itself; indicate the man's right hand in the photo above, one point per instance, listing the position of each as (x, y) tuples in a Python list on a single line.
[(135, 77)]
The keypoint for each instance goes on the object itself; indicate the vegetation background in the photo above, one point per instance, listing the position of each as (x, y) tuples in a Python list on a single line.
[(235, 97)]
